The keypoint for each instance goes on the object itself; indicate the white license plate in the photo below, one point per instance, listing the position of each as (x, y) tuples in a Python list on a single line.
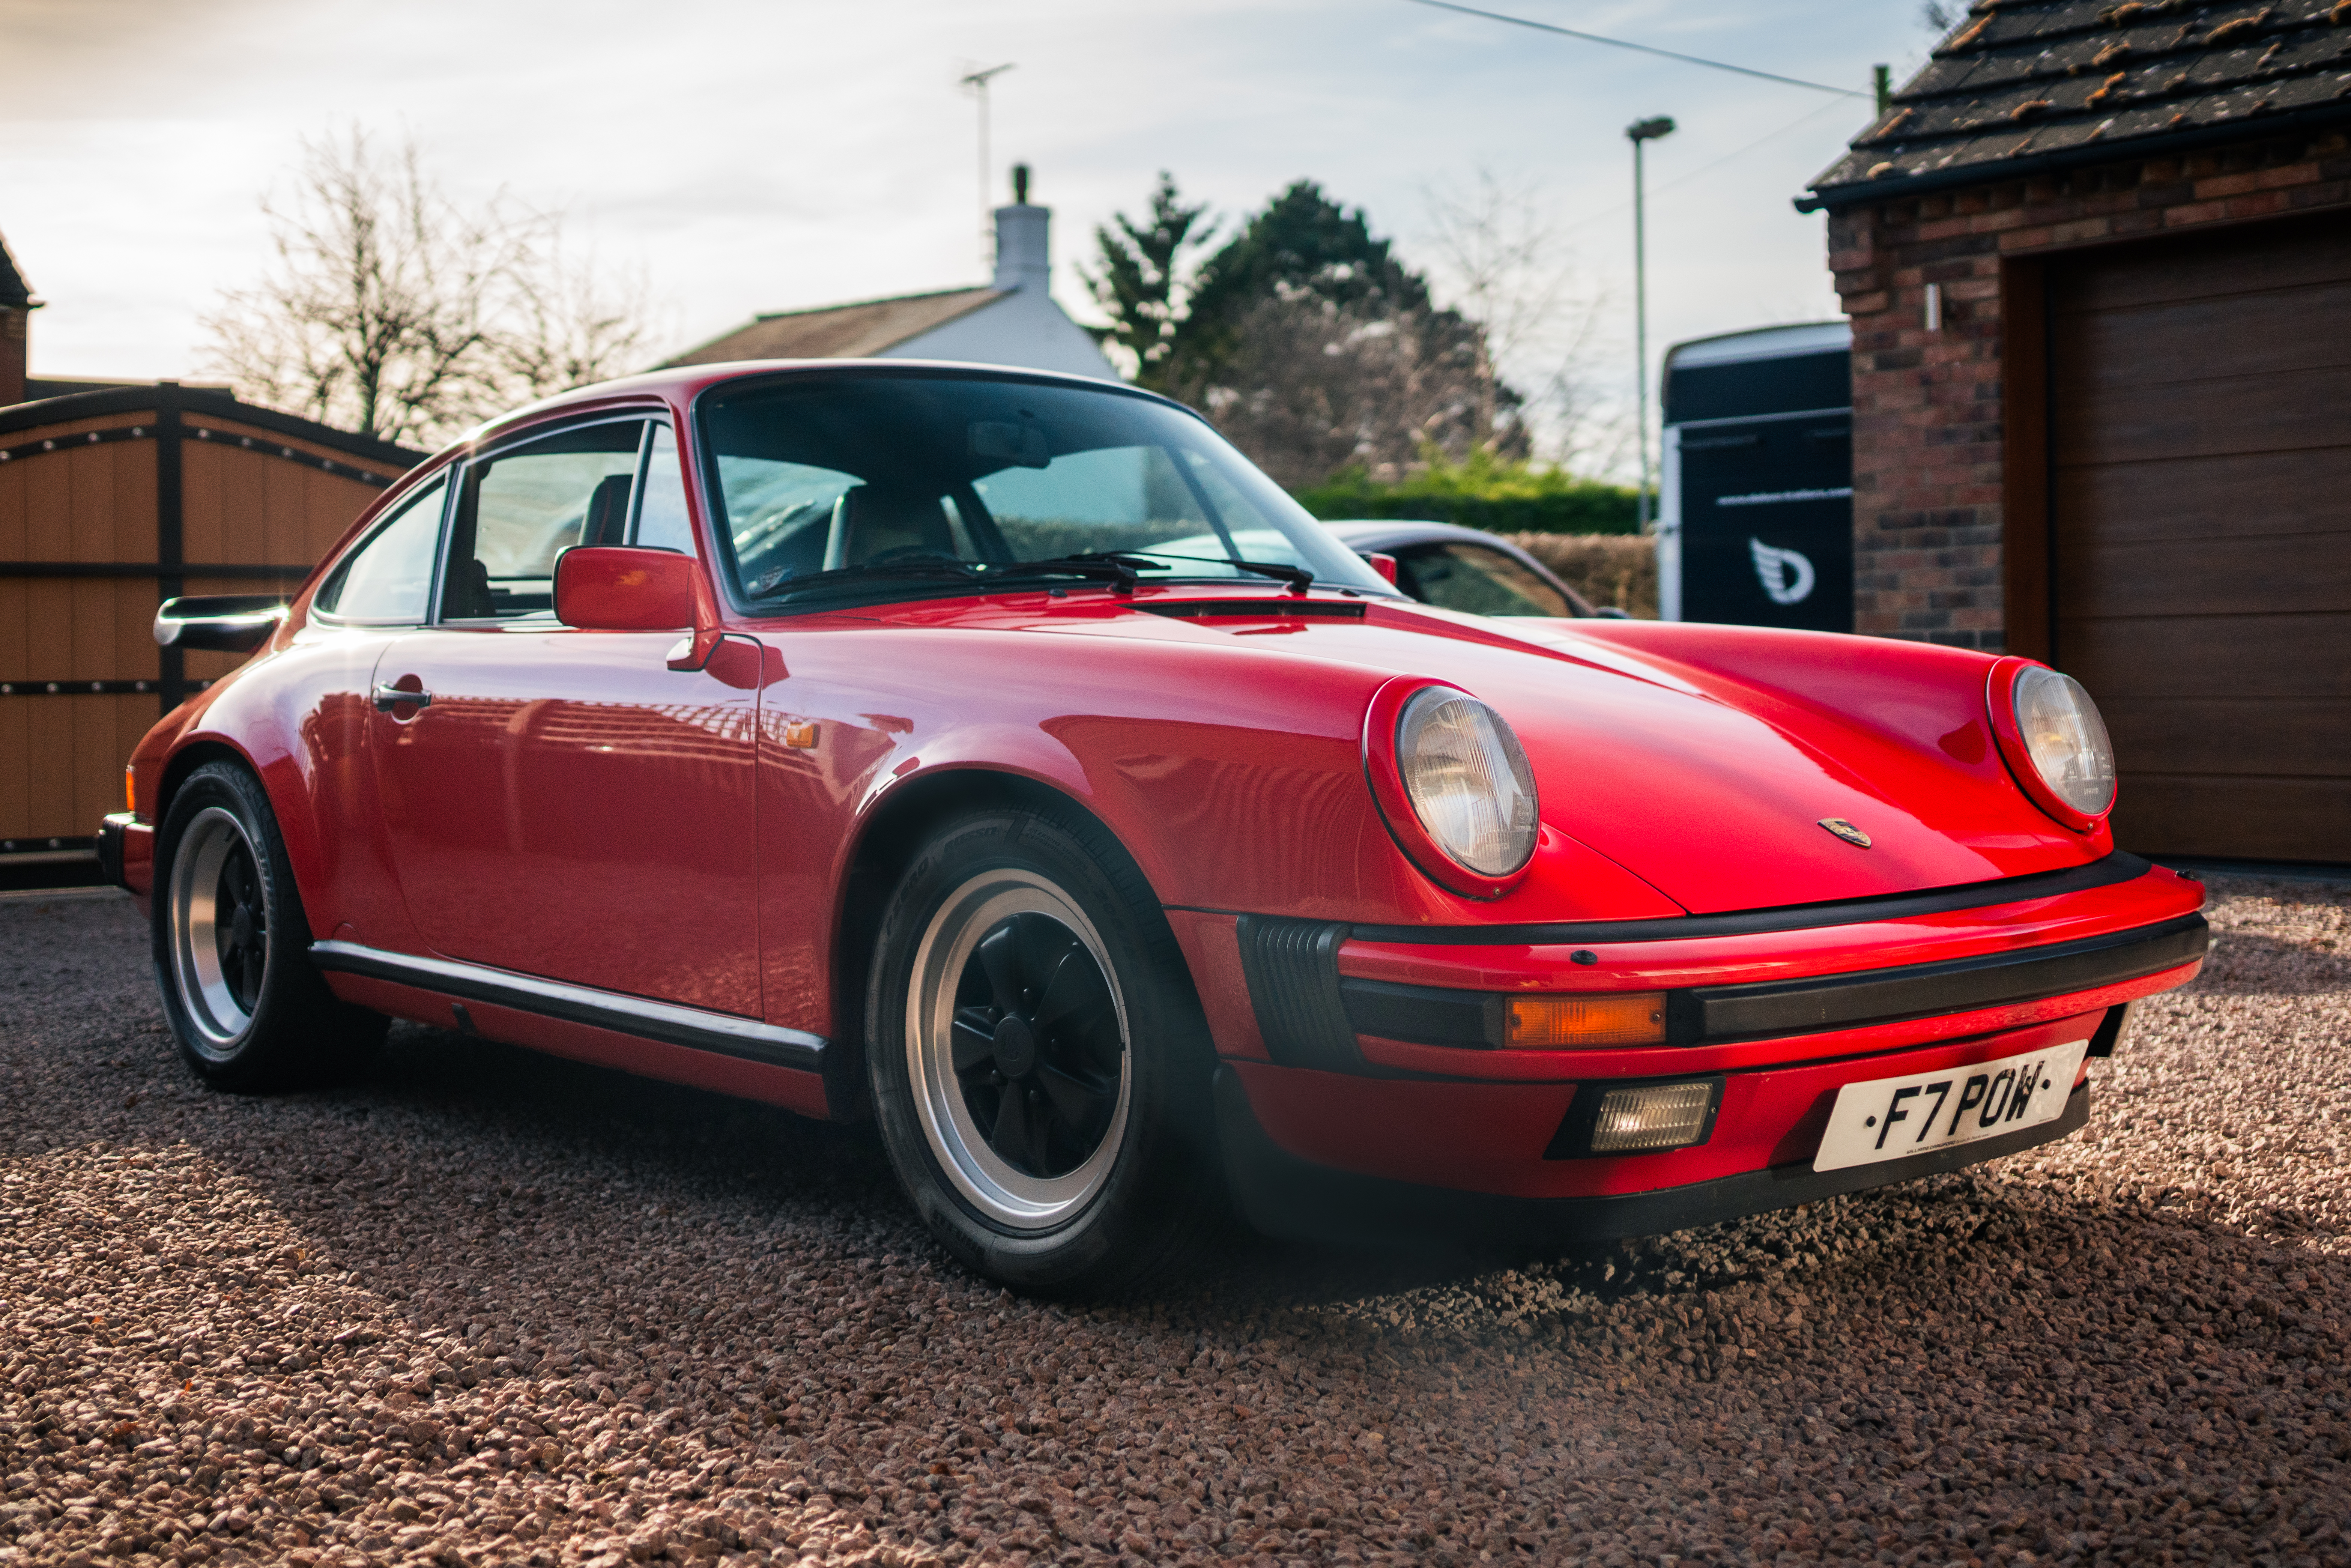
[(1894, 1118)]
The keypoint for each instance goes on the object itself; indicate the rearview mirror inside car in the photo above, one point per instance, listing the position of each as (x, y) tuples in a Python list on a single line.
[(1023, 443), (616, 588)]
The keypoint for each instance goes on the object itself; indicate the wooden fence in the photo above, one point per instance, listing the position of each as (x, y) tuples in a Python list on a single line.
[(111, 502)]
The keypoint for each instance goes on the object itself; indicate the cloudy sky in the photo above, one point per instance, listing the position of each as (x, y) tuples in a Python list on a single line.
[(759, 156)]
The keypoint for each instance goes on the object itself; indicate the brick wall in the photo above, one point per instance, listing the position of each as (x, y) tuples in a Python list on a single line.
[(1929, 461), (11, 355)]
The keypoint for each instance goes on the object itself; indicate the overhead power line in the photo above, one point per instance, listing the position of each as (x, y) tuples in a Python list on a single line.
[(1643, 48)]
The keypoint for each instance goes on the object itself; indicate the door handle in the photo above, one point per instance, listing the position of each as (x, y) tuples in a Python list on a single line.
[(389, 697)]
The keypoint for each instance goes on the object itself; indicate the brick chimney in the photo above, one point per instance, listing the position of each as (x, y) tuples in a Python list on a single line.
[(1024, 257)]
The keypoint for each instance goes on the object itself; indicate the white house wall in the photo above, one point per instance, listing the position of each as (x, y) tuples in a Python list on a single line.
[(1022, 329)]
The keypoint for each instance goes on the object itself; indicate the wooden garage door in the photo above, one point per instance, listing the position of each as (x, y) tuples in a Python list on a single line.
[(2200, 531)]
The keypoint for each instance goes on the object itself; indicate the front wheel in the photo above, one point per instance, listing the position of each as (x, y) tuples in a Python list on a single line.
[(1038, 1064), (248, 1011)]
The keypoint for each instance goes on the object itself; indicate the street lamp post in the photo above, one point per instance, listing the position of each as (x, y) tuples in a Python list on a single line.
[(1639, 132)]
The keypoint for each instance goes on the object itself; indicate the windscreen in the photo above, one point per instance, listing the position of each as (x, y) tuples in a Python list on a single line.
[(882, 481)]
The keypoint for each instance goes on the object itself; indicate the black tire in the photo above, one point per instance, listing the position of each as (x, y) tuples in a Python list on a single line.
[(232, 947), (1110, 1179)]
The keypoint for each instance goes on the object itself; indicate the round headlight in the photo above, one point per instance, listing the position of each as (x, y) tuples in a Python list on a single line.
[(1468, 781), (2066, 739)]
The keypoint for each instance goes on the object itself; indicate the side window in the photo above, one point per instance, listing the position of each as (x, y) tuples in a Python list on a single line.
[(390, 577), (661, 516), (525, 506), (1481, 582)]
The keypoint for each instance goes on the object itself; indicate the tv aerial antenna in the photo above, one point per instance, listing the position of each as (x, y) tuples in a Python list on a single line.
[(976, 82)]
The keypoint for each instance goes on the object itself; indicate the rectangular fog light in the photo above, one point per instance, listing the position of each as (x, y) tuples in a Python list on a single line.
[(1653, 1116), (1598, 1018)]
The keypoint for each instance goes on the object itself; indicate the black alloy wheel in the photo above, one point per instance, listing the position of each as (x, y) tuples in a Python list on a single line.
[(1037, 1048), (232, 960), (1038, 1059), (241, 927)]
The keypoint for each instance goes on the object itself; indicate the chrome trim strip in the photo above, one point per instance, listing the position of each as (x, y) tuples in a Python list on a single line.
[(666, 1022)]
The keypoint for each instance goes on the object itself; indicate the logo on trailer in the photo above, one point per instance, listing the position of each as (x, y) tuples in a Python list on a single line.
[(1846, 831), (1785, 574)]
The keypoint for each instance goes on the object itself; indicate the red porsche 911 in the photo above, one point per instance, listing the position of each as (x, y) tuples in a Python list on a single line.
[(1000, 758)]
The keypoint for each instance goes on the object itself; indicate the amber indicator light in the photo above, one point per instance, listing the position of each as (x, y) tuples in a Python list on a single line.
[(1560, 1023), (129, 792)]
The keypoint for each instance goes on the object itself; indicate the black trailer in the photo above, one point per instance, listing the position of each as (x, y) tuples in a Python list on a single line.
[(1755, 514)]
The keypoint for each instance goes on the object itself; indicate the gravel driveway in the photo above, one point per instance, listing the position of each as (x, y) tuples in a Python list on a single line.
[(491, 1307)]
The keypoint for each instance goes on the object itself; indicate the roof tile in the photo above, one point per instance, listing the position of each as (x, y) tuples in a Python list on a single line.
[(853, 331), (2019, 80)]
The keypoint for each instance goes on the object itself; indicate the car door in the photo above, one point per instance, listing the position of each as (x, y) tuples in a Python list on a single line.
[(561, 803), (380, 592)]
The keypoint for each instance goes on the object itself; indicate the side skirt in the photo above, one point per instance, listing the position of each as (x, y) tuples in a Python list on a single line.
[(722, 1033)]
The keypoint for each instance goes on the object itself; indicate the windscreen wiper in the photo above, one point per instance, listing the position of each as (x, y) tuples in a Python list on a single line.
[(982, 574), (1100, 566), (1298, 577), (841, 575)]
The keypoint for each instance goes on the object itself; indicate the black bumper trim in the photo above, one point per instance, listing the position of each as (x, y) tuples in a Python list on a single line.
[(1292, 969), (1715, 1015), (110, 847), (1926, 990), (1426, 1015), (2117, 867), (1283, 1194)]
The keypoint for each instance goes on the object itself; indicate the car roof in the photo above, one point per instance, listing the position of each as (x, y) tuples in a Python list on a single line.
[(1366, 533), (682, 385)]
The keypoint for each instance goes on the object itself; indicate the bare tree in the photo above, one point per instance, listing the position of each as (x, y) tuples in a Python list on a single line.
[(1940, 16), (1500, 261), (1313, 385), (563, 327), (393, 312)]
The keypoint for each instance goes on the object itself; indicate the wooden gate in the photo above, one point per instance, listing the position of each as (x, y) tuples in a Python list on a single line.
[(111, 502)]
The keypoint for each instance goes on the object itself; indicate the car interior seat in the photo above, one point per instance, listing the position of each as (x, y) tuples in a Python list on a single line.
[(871, 522), (606, 520), (469, 592)]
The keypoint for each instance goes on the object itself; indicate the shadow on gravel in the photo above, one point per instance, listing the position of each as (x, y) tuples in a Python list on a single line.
[(2008, 1358), (575, 1145), (2246, 963)]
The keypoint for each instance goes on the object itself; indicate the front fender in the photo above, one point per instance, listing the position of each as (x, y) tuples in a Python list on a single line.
[(1235, 780)]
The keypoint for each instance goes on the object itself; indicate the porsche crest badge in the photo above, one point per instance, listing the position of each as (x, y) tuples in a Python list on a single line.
[(1846, 831)]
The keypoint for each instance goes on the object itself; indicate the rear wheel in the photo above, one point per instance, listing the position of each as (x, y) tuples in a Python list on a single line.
[(248, 1011), (1039, 1065)]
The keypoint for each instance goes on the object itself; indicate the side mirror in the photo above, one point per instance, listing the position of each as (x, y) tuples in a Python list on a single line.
[(1384, 565), (617, 587), (219, 624)]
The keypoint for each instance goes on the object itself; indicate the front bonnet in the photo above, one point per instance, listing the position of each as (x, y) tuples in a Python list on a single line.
[(1705, 759)]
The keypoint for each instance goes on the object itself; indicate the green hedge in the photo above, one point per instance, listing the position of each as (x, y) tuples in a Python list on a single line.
[(1500, 497)]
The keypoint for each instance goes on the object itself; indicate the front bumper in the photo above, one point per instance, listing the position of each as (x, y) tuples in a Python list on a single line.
[(1364, 1082), (126, 853), (1282, 1194)]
